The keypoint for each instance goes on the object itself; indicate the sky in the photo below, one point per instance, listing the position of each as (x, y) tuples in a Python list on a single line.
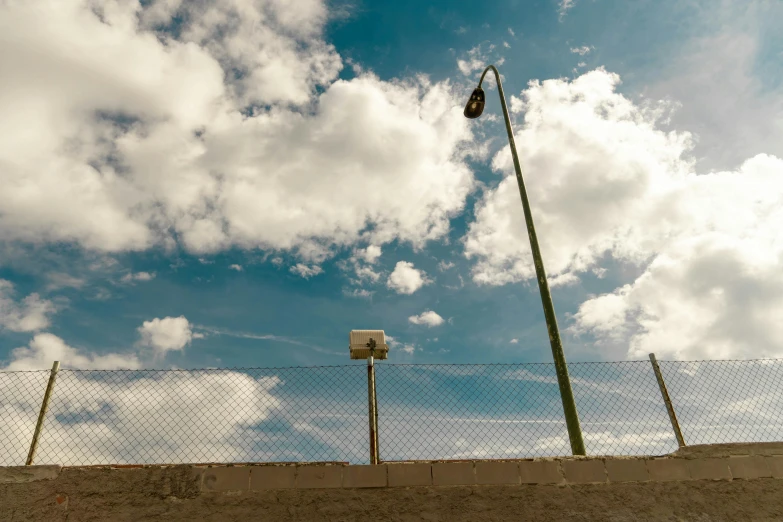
[(240, 183)]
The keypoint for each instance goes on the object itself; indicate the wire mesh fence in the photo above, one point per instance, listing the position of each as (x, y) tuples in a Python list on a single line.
[(425, 412), (727, 401), (514, 411), (187, 416)]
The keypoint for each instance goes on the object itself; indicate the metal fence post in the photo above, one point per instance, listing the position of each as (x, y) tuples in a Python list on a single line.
[(42, 413), (667, 401), (373, 414)]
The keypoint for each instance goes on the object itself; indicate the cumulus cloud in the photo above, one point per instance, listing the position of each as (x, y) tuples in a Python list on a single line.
[(361, 262), (725, 64), (371, 254), (405, 279), (305, 271), (514, 341), (28, 315), (623, 188), (135, 134), (167, 334), (45, 348), (428, 318), (135, 417), (238, 268)]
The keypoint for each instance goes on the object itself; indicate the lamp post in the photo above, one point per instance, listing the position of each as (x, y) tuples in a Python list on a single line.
[(369, 344), (473, 109)]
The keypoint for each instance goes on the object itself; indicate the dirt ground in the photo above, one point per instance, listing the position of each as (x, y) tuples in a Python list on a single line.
[(172, 494)]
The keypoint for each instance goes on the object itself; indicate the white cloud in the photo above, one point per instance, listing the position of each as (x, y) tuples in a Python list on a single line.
[(173, 417), (371, 254), (711, 297), (167, 334), (478, 58), (133, 137), (585, 197), (445, 265), (506, 45), (564, 6), (364, 272), (394, 344), (728, 64), (367, 273), (511, 32), (514, 341), (405, 279), (29, 315), (238, 268), (138, 276), (305, 271), (46, 348), (359, 292), (428, 318), (581, 51), (58, 280), (625, 189)]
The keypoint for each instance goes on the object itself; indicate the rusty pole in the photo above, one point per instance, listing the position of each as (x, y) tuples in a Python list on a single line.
[(373, 413), (42, 413), (667, 401)]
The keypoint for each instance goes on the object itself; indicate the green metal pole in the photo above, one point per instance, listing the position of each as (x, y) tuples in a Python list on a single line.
[(566, 394)]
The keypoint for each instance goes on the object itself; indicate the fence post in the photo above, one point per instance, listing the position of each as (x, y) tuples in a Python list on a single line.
[(667, 401), (372, 411), (42, 413)]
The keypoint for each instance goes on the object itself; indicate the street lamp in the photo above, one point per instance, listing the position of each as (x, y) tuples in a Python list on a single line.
[(473, 109), (369, 344)]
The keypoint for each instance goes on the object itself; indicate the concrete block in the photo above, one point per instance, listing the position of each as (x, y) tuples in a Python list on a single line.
[(410, 474), (272, 477), (540, 472), (453, 474), (775, 465), (497, 473), (308, 477), (709, 469), (626, 470), (666, 470), (17, 474), (233, 478), (749, 467), (584, 471), (364, 476)]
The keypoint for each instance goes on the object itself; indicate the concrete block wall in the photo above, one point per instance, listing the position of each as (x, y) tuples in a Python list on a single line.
[(471, 473), (696, 485), (564, 471)]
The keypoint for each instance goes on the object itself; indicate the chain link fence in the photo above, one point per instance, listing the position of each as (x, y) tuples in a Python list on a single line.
[(727, 401), (425, 412)]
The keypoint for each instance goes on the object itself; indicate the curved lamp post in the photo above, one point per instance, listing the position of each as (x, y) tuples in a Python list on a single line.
[(473, 109)]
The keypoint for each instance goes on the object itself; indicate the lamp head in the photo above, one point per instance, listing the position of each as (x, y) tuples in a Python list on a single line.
[(475, 105)]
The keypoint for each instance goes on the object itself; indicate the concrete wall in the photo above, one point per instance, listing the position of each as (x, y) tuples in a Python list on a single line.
[(704, 483)]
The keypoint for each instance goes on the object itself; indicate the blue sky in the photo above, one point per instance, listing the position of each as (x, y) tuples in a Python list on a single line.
[(240, 183), (629, 216)]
